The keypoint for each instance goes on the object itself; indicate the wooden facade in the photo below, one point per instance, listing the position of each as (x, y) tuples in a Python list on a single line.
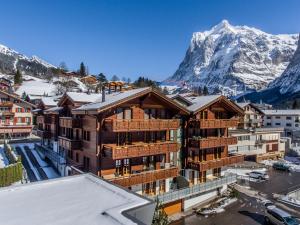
[(208, 140)]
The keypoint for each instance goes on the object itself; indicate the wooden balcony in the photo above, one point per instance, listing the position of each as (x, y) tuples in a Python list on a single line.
[(69, 144), (70, 122), (212, 142), (139, 149), (146, 177), (141, 125), (7, 113), (212, 164), (215, 123), (6, 104), (44, 134)]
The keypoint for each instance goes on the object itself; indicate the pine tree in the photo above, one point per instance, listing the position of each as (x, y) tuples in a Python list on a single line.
[(115, 78), (160, 217), (199, 91), (295, 104), (101, 78), (205, 91), (18, 77), (82, 69)]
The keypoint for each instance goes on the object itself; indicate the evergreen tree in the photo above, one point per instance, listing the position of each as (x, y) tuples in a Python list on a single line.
[(115, 78), (82, 69), (160, 217), (295, 104), (101, 78), (18, 77), (63, 66), (128, 80), (205, 91), (199, 91), (24, 95)]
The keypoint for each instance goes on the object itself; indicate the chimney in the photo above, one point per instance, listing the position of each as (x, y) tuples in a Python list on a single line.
[(103, 94)]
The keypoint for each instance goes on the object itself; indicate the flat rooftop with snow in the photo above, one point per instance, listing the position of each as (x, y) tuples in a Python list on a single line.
[(79, 199)]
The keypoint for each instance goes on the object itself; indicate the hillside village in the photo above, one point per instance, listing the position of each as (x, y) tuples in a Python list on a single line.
[(77, 148)]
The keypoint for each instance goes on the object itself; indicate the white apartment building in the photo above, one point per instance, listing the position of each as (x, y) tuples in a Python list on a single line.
[(258, 144), (288, 119), (253, 116)]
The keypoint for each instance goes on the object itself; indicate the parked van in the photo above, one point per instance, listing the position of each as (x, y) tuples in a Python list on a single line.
[(259, 175), (274, 215)]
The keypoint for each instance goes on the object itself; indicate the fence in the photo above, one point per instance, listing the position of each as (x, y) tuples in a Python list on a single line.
[(196, 189)]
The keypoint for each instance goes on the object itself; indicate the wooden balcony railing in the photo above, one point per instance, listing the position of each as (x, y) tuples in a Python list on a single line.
[(6, 104), (141, 125), (212, 142), (44, 134), (212, 164), (69, 144), (215, 123), (146, 177), (70, 122), (140, 149), (6, 113)]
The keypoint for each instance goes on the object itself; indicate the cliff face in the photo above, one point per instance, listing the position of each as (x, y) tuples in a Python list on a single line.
[(234, 58)]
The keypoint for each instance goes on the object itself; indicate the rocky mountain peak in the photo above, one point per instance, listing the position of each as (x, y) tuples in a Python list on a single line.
[(234, 58)]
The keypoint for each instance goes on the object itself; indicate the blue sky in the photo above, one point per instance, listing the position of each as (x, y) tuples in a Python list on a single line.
[(129, 38)]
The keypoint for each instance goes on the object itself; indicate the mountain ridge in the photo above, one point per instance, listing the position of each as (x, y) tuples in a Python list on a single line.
[(234, 59)]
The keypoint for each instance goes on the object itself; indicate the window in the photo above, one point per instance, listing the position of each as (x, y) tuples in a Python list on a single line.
[(277, 117), (277, 124), (288, 125), (86, 135), (268, 117), (18, 109), (269, 124), (296, 125), (19, 120), (288, 117)]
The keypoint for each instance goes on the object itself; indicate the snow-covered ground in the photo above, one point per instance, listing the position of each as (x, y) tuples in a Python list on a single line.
[(3, 160), (292, 162)]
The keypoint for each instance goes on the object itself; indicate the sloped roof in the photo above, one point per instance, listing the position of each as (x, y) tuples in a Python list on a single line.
[(121, 97), (50, 101), (76, 200), (17, 97), (201, 102), (244, 104), (83, 97), (283, 112)]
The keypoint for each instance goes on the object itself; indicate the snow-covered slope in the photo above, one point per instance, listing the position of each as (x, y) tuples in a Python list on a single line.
[(235, 58), (11, 60), (289, 81)]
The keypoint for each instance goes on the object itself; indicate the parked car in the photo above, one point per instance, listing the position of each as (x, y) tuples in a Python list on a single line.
[(281, 166), (259, 175), (274, 215)]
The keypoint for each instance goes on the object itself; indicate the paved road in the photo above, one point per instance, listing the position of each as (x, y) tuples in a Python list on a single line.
[(247, 210)]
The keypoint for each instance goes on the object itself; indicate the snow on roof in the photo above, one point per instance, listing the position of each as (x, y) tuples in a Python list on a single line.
[(84, 97), (242, 104), (112, 99), (76, 200), (200, 101), (50, 101), (53, 109), (282, 112)]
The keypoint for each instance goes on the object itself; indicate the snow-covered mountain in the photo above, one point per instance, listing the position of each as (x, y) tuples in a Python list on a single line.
[(289, 81), (234, 58), (11, 60)]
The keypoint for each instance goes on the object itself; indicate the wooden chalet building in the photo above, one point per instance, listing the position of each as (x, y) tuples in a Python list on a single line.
[(131, 138), (16, 116), (207, 137)]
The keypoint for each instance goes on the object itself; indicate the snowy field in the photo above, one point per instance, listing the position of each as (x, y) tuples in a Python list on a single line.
[(292, 162)]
